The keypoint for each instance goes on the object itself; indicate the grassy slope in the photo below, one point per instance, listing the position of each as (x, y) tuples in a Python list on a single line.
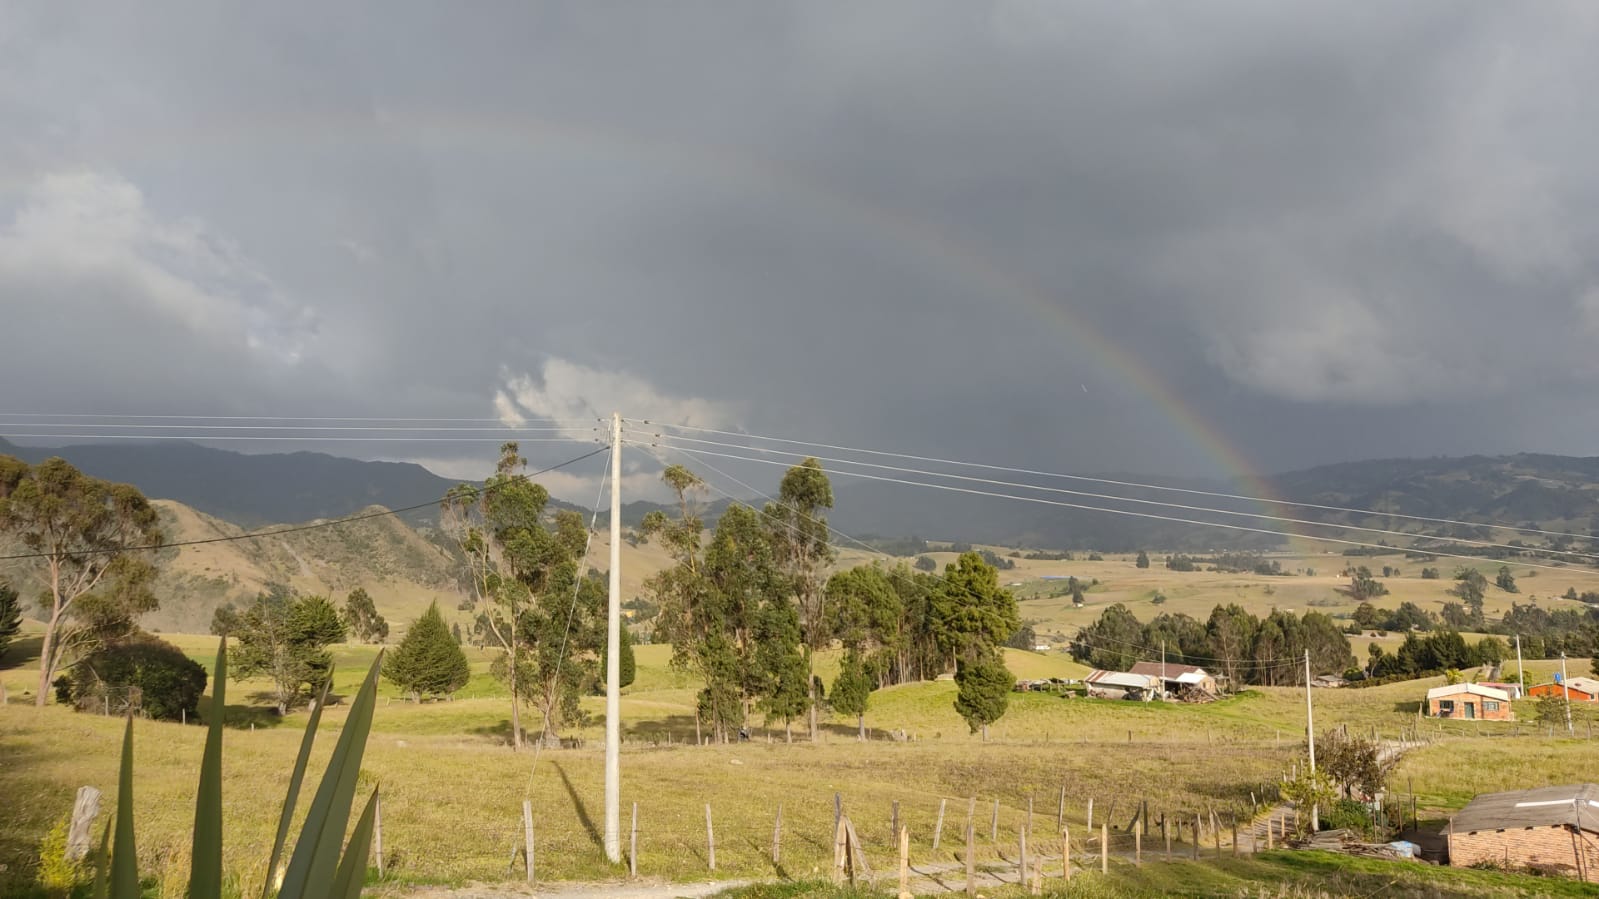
[(452, 789)]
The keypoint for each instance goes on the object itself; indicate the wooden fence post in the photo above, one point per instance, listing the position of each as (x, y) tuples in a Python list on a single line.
[(1066, 854), (1029, 824), (1269, 825), (632, 845), (1060, 810), (905, 863), (377, 830), (938, 829), (1197, 833), (993, 835), (710, 837), (1104, 848), (1235, 836), (1038, 875), (971, 811), (1138, 846), (971, 865), (1090, 816), (1165, 835), (777, 837), (1021, 856), (527, 837), (893, 820)]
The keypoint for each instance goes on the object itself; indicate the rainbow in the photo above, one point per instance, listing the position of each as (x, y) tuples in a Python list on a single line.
[(931, 246)]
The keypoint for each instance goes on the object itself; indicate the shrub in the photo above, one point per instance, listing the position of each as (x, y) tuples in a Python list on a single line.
[(57, 873), (1347, 813), (166, 683)]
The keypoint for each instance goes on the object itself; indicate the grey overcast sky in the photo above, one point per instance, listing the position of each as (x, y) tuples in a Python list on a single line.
[(1088, 236)]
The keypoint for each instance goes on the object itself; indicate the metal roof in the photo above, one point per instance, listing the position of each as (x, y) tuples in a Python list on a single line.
[(1571, 804), (1188, 674), (1122, 679), (1477, 689)]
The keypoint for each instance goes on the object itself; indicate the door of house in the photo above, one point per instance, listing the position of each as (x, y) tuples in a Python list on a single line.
[(1471, 709)]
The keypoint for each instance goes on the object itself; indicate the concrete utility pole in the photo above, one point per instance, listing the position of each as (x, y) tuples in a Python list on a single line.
[(1310, 739), (613, 659), (1565, 687), (1521, 673)]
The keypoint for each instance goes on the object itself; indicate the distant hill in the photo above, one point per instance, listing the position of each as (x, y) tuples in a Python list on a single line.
[(1549, 492), (247, 489)]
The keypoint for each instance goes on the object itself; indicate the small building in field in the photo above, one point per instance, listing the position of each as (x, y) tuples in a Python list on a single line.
[(1511, 688), (1175, 677), (1582, 689), (1121, 685), (1469, 701), (1553, 830)]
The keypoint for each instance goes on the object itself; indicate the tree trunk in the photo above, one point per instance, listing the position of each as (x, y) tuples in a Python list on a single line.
[(860, 722), (45, 650), (985, 733), (788, 730)]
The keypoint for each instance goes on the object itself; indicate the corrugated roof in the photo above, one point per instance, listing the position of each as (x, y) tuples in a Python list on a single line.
[(1477, 689), (1122, 679), (1571, 804)]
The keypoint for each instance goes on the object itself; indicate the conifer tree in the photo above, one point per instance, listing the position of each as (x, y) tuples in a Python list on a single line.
[(985, 684), (428, 661), (10, 617), (852, 690)]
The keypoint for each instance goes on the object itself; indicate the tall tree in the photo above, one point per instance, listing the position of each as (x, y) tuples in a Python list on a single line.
[(362, 619), (627, 665), (511, 560), (10, 617), (782, 676), (1363, 586), (1112, 643), (800, 536), (428, 662), (285, 638), (1506, 581), (1143, 559), (88, 536)]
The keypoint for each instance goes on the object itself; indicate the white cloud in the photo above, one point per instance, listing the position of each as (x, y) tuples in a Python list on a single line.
[(77, 233), (566, 390)]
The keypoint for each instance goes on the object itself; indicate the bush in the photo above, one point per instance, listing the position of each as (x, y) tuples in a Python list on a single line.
[(1347, 813), (167, 683)]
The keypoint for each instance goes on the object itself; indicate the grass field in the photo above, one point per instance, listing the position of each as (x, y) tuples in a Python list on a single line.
[(453, 789)]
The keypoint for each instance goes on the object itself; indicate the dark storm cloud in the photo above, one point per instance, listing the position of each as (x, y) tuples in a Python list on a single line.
[(1337, 230)]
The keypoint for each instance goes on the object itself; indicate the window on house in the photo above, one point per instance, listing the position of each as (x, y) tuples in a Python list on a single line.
[(1490, 705)]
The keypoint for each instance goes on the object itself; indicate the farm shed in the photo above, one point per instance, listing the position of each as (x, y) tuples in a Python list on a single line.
[(1122, 685), (1583, 689), (1470, 701), (1551, 829), (1510, 687), (1176, 677)]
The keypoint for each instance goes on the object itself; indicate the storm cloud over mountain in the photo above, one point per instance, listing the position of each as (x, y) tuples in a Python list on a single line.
[(1132, 236)]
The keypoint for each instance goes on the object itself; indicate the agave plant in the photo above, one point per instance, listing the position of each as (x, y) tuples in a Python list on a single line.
[(322, 867)]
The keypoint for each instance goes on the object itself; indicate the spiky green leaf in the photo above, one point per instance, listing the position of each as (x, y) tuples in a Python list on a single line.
[(295, 780), (98, 891), (352, 869), (205, 871), (316, 853), (124, 854)]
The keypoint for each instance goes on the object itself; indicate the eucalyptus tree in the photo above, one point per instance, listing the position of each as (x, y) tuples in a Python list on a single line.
[(800, 536), (91, 540)]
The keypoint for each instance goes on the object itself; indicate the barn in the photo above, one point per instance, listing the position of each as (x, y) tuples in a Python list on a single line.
[(1554, 830)]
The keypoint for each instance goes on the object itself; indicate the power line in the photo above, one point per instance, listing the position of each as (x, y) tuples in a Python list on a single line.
[(293, 528), (792, 529), (268, 437), (1126, 499), (1118, 483), (1124, 512), (202, 427), (277, 417)]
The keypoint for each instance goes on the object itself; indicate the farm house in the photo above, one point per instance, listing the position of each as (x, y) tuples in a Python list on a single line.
[(1581, 689), (1551, 829), (1122, 685), (1469, 701)]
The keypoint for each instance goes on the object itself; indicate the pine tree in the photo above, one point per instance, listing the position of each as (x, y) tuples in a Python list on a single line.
[(852, 690), (782, 679), (10, 617), (428, 661), (362, 618), (627, 666), (985, 684)]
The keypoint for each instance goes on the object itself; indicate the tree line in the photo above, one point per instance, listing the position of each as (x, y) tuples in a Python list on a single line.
[(1232, 642)]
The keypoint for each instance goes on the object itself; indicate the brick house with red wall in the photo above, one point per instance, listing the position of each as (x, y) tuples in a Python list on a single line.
[(1583, 689), (1551, 829), (1470, 701)]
